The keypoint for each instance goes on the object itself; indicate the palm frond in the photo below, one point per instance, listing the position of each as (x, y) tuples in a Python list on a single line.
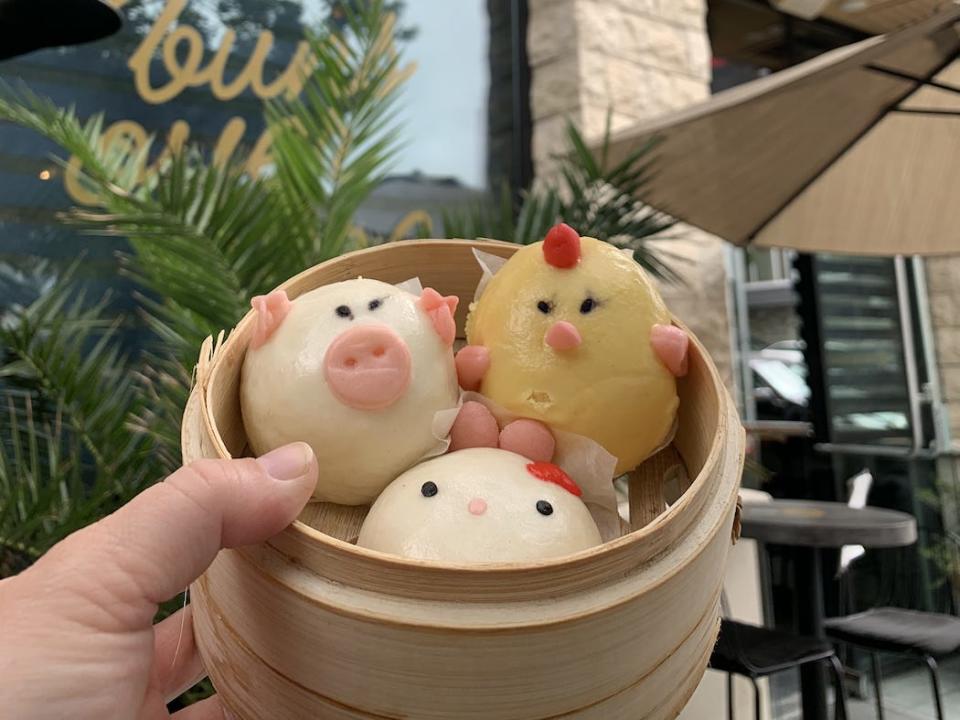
[(599, 201), (63, 353), (81, 426), (204, 242), (205, 238), (164, 387), (39, 474), (67, 453), (21, 106), (493, 218), (171, 229), (332, 146)]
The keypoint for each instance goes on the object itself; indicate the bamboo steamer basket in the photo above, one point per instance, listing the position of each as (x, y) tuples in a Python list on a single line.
[(309, 626)]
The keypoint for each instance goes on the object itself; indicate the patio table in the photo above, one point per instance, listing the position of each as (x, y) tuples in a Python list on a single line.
[(808, 526)]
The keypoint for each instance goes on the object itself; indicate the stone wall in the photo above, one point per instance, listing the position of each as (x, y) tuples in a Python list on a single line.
[(943, 295), (943, 287), (636, 58)]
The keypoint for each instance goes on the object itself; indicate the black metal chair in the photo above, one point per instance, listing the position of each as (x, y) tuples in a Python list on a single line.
[(756, 652), (927, 636)]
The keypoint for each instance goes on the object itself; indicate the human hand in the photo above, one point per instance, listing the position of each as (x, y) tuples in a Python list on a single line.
[(77, 638)]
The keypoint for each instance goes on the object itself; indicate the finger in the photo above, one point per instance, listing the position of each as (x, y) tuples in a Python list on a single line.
[(208, 709), (163, 539), (177, 666)]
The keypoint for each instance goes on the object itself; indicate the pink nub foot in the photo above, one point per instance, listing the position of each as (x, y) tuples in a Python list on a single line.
[(440, 310), (475, 426), (368, 367), (473, 361), (529, 438), (671, 345)]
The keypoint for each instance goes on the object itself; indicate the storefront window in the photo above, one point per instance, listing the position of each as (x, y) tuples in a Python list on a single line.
[(199, 71)]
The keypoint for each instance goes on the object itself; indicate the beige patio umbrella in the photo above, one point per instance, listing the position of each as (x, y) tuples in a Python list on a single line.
[(856, 151)]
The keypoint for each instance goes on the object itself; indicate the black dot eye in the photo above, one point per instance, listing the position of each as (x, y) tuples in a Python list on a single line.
[(544, 307), (544, 508), (588, 305), (429, 489), (344, 311), (374, 304)]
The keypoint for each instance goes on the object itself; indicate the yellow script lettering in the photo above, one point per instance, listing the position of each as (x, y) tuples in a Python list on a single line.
[(127, 137), (192, 73)]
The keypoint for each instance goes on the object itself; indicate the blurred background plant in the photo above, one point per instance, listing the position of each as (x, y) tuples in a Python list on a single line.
[(588, 193), (942, 549), (86, 425)]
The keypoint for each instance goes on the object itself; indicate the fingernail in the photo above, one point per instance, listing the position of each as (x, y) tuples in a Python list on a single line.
[(288, 462)]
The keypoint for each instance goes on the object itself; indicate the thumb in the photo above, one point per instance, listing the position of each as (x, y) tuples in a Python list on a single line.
[(162, 540)]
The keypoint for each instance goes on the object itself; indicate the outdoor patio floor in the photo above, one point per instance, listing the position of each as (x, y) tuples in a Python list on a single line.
[(906, 696)]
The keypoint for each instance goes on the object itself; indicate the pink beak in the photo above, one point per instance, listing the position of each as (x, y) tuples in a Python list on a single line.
[(563, 336)]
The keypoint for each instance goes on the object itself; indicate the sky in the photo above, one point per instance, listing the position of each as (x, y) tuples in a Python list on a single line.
[(444, 106)]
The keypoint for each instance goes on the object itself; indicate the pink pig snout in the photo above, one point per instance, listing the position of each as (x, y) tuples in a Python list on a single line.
[(368, 367)]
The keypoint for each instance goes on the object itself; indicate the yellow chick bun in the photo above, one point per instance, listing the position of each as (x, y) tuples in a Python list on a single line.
[(568, 325)]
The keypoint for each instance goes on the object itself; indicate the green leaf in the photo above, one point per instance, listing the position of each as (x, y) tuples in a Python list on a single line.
[(67, 398), (598, 200), (332, 147)]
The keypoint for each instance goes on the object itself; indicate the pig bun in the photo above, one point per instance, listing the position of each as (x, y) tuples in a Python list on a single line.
[(358, 370)]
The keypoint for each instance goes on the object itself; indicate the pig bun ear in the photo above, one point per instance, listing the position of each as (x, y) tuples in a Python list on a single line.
[(440, 310), (271, 310)]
